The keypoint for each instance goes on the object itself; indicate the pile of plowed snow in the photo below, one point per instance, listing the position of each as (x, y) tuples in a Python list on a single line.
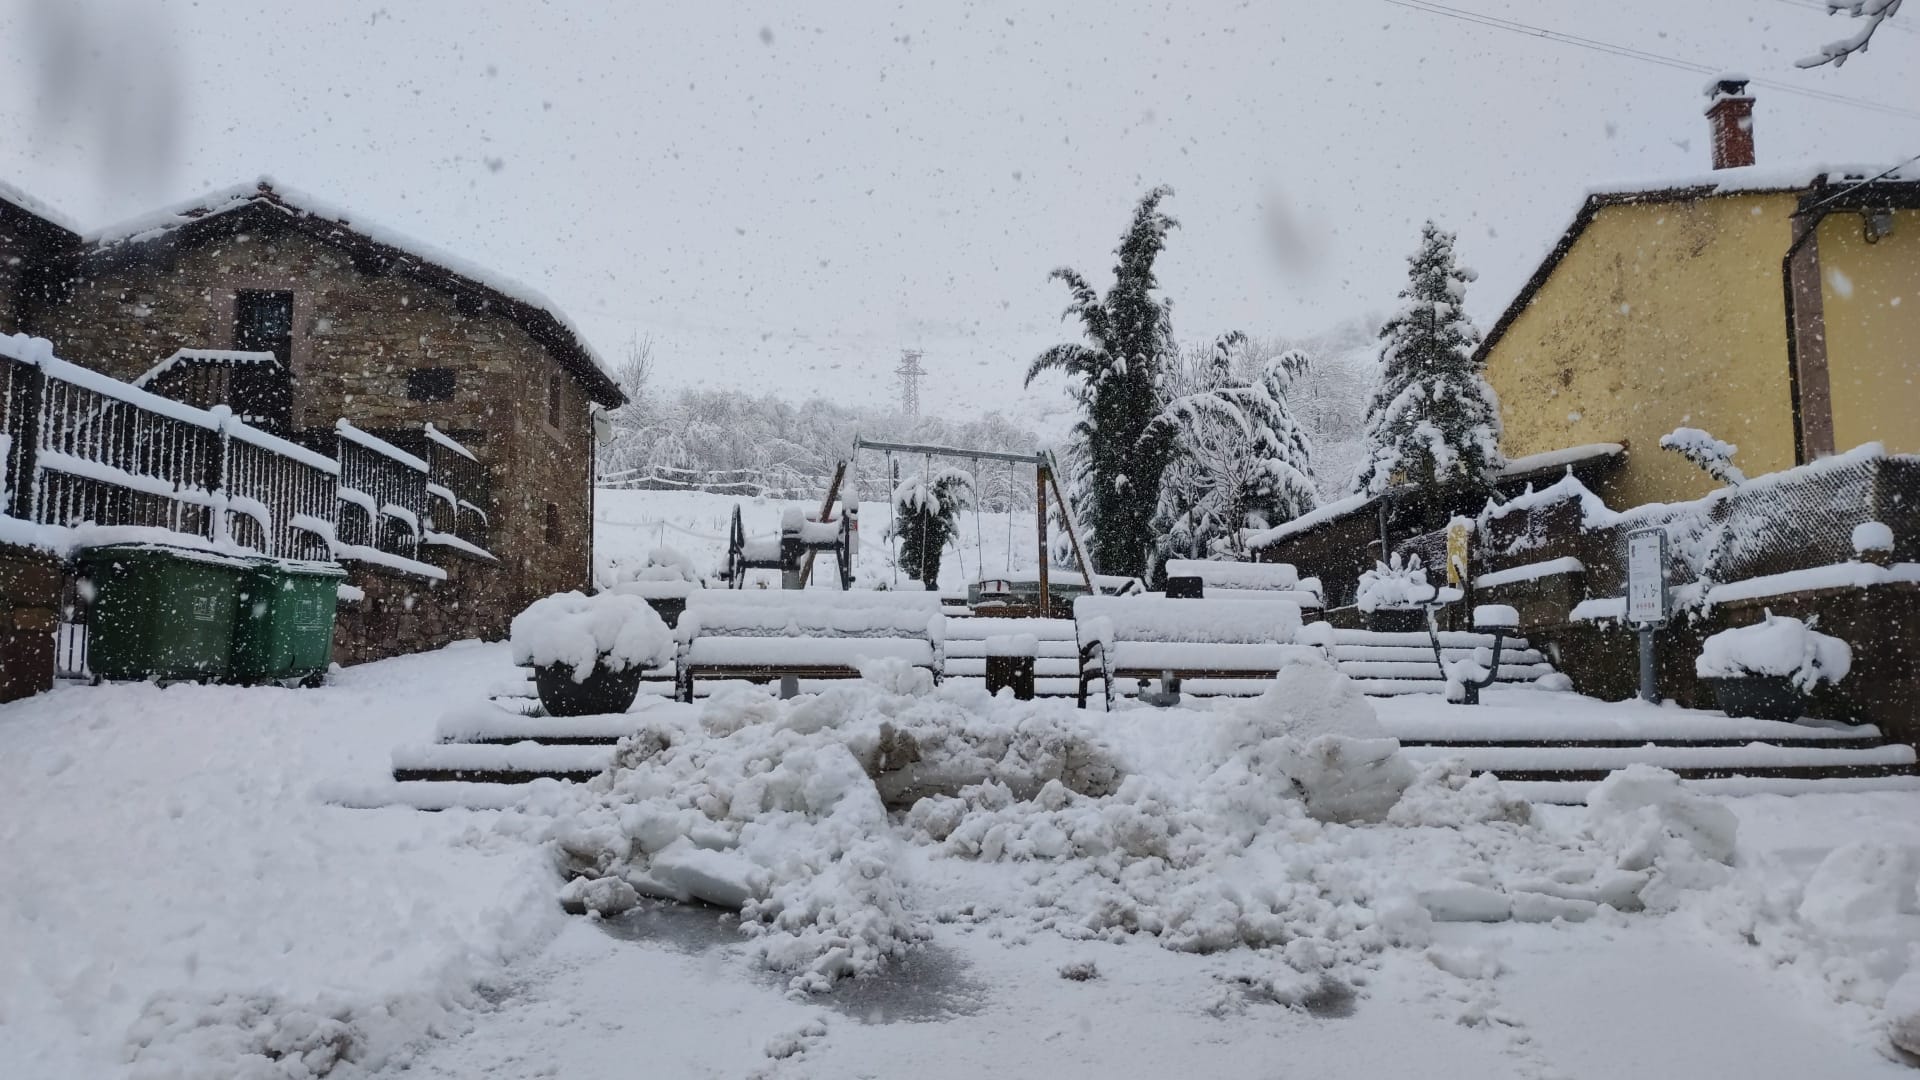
[(840, 825)]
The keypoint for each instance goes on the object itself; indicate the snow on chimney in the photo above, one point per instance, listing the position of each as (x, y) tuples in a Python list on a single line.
[(1730, 115)]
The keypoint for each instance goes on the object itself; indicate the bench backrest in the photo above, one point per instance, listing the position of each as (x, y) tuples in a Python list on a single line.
[(812, 613), (1236, 575), (1110, 619)]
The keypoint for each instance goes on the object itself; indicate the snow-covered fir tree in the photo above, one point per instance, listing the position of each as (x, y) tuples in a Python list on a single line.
[(1433, 419), (1239, 460), (1283, 487), (926, 508), (1116, 371)]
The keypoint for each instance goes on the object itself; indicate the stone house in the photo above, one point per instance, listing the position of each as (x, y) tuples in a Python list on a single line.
[(311, 316)]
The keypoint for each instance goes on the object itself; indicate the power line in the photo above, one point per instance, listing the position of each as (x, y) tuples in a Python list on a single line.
[(1514, 26)]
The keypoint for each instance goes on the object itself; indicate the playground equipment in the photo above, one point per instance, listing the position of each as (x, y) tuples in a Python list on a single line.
[(1046, 479), (800, 539)]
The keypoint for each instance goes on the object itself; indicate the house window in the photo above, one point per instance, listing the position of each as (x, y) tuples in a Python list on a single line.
[(553, 524), (430, 384), (263, 322), (553, 399), (263, 393)]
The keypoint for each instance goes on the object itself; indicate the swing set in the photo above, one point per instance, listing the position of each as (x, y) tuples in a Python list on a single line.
[(1046, 476)]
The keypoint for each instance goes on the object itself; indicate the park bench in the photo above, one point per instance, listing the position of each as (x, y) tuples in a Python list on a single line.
[(1155, 637), (763, 635), (1249, 581)]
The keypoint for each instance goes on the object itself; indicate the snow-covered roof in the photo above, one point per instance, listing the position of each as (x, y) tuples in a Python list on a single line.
[(47, 214), (1326, 512), (1529, 464), (1747, 180), (204, 356), (524, 305)]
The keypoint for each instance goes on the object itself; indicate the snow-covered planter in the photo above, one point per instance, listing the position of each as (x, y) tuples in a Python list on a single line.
[(1394, 594), (588, 653), (1767, 670)]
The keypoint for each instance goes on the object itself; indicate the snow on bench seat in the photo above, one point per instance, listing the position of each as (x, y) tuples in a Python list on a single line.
[(1236, 575), (1426, 668), (1146, 636), (760, 635), (803, 653), (804, 612)]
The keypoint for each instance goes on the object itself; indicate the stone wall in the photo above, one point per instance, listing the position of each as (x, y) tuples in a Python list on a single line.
[(358, 331), (30, 584)]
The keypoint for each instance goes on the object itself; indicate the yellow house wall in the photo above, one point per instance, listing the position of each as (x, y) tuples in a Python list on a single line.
[(1661, 315), (1871, 296)]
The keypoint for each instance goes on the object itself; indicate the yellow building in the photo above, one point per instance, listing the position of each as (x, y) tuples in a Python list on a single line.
[(1779, 311)]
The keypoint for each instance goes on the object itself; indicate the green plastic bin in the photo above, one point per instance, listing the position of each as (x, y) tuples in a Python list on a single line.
[(161, 612), (283, 628)]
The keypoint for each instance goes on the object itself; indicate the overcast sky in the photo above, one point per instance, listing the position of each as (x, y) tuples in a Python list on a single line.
[(783, 195)]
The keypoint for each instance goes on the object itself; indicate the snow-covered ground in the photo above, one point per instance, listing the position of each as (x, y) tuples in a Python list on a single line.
[(179, 901)]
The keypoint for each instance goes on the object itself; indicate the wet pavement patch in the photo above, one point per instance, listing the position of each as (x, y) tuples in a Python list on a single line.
[(930, 984)]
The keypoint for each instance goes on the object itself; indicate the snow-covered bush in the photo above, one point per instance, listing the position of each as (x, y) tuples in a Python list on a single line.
[(608, 630), (1709, 453), (1394, 584), (1780, 646)]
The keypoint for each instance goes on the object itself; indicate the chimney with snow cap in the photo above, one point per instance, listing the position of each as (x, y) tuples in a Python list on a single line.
[(1730, 115)]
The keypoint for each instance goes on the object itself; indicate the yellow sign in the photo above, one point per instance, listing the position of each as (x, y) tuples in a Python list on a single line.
[(1457, 532)]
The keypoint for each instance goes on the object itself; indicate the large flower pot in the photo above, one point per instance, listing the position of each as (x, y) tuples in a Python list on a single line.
[(601, 692), (1761, 697)]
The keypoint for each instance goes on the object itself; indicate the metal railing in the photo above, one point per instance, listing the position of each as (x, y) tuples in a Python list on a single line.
[(82, 449), (383, 503)]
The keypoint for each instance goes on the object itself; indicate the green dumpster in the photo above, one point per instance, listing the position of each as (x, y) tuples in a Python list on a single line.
[(160, 612), (284, 626)]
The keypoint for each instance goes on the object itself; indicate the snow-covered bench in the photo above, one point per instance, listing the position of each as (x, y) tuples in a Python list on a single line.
[(762, 635), (1242, 580), (1153, 637)]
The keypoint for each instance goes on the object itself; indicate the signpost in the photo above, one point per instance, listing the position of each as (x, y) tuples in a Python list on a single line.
[(1647, 596)]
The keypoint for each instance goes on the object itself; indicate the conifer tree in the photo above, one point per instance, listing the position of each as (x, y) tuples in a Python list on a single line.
[(1282, 488), (1433, 420), (1116, 372)]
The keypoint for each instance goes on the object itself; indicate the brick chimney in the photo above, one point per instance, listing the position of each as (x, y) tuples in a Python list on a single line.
[(1730, 116)]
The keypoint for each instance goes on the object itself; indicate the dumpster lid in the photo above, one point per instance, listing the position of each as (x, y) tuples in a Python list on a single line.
[(309, 567), (187, 554)]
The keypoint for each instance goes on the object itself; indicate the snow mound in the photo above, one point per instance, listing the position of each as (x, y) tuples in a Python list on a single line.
[(1649, 822), (778, 809), (1782, 646), (1315, 731), (580, 631), (1903, 1013), (1446, 794)]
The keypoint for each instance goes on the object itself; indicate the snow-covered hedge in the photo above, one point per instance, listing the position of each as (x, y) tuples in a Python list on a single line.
[(608, 630), (1782, 646)]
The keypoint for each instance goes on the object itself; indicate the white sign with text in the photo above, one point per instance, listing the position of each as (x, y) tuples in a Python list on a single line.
[(1647, 576)]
